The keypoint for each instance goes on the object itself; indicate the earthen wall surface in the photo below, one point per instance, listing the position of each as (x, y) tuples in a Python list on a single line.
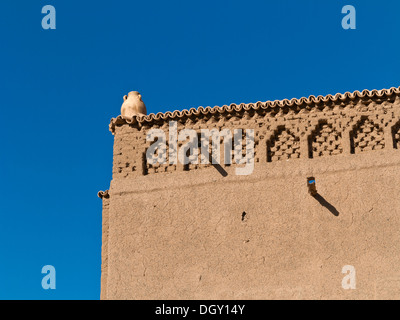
[(188, 232)]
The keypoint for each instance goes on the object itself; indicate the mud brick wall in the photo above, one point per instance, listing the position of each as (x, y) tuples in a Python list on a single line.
[(188, 232)]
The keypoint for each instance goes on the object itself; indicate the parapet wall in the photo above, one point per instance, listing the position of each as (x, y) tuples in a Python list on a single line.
[(188, 232), (317, 127)]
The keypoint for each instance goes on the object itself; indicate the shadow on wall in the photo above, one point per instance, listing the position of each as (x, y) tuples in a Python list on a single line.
[(326, 204), (212, 161), (220, 169)]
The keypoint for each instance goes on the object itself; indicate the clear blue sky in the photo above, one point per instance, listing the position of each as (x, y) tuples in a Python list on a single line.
[(59, 89)]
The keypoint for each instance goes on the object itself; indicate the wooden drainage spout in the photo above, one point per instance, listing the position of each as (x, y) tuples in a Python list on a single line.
[(312, 188)]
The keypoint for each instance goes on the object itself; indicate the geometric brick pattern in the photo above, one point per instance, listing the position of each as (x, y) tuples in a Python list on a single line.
[(283, 146), (325, 141), (367, 136), (317, 126), (396, 136)]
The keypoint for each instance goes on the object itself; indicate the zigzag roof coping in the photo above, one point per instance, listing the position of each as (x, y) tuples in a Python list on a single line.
[(310, 101)]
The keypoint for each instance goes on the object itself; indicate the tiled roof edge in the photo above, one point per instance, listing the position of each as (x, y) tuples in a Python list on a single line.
[(310, 101)]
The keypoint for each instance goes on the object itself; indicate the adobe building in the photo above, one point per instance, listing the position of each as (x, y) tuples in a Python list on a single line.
[(202, 232)]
